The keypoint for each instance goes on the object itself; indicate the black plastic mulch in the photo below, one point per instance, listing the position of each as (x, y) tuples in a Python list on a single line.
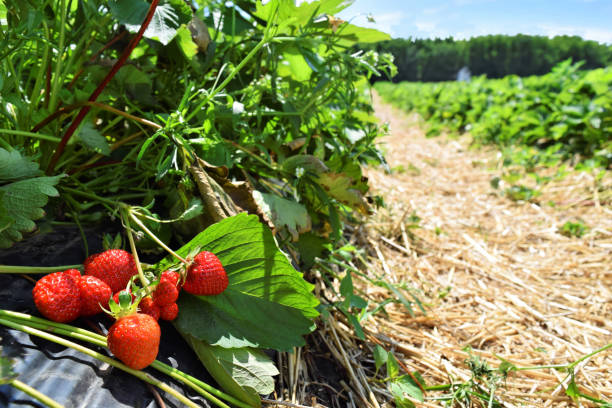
[(72, 378)]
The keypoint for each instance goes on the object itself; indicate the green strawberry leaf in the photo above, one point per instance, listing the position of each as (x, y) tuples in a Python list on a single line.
[(21, 203), (234, 319), (392, 365), (243, 372), (290, 13), (267, 304), (306, 162), (403, 387), (168, 17), (93, 139), (350, 34), (284, 213), (14, 166), (343, 188), (380, 357), (294, 65)]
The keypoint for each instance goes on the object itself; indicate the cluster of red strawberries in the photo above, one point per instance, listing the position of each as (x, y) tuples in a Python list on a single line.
[(64, 296), (134, 337)]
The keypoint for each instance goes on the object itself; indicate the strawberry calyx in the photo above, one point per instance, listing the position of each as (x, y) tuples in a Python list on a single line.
[(127, 305)]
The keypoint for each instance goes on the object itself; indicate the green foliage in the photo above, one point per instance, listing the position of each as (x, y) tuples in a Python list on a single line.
[(267, 303), (284, 213), (401, 386), (267, 91), (23, 194), (536, 120), (521, 193), (574, 229), (220, 104), (244, 372), (168, 17), (495, 56)]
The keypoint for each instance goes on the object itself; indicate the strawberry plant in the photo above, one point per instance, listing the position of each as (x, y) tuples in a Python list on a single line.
[(538, 120), (177, 118)]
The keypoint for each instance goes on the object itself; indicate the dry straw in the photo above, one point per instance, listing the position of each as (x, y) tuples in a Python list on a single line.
[(494, 274)]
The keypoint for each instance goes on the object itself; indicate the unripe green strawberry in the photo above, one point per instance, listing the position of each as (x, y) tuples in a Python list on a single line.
[(169, 312), (57, 297), (94, 293), (148, 306), (115, 267), (165, 293), (206, 275), (116, 295), (134, 339)]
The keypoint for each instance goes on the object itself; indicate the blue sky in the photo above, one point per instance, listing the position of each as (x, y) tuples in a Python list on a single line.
[(590, 19)]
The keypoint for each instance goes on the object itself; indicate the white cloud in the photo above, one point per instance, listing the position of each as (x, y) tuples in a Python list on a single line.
[(426, 26), (589, 33), (431, 28)]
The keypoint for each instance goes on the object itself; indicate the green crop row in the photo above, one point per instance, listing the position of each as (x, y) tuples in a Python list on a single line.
[(566, 114)]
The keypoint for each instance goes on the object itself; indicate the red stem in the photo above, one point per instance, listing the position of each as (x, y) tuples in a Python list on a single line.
[(65, 109), (97, 54), (83, 112)]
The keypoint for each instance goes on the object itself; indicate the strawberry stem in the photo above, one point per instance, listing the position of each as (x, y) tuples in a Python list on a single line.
[(145, 282), (154, 238), (37, 269), (67, 343), (36, 394), (82, 334)]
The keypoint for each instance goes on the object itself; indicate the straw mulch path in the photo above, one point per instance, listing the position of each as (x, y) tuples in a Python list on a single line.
[(496, 275), (493, 274)]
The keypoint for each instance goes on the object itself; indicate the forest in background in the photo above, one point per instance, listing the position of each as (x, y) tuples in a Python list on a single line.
[(433, 60)]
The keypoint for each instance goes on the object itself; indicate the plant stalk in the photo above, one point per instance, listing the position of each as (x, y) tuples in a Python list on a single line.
[(67, 343), (37, 269), (92, 98), (231, 76), (60, 55), (154, 238), (66, 109), (145, 282), (197, 385), (39, 396), (30, 134)]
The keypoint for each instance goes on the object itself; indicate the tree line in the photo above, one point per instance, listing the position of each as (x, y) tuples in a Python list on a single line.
[(495, 56)]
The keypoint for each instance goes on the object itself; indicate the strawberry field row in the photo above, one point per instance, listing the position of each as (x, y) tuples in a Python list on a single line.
[(566, 114)]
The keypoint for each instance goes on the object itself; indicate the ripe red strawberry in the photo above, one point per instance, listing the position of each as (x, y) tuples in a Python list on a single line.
[(148, 306), (206, 275), (75, 273), (165, 293), (94, 293), (89, 259), (57, 297), (169, 312), (134, 339), (170, 276), (115, 267)]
